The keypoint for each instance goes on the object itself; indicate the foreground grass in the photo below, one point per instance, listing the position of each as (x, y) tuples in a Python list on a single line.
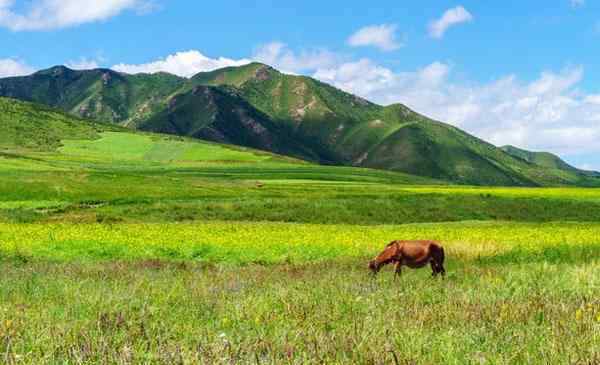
[(331, 312), (296, 293)]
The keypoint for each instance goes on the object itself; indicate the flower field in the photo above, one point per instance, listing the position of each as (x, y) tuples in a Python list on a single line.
[(270, 242)]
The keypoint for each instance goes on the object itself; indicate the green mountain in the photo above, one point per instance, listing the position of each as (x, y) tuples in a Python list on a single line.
[(222, 115), (545, 159), (257, 106), (46, 149), (29, 130), (96, 94)]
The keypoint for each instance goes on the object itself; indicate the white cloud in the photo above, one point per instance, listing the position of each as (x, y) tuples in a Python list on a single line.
[(588, 167), (54, 14), (83, 64), (592, 99), (381, 36), (185, 64), (280, 56), (362, 75), (577, 3), (451, 17), (10, 67)]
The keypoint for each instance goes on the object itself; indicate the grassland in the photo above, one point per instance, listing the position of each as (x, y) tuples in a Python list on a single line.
[(297, 293), (128, 248), (136, 178)]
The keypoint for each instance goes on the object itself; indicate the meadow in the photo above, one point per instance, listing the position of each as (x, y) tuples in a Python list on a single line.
[(138, 249), (224, 292)]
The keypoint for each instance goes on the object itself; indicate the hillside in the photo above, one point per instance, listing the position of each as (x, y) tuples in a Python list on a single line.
[(38, 138), (96, 94), (221, 115), (545, 159), (257, 106), (28, 129), (342, 128), (31, 126)]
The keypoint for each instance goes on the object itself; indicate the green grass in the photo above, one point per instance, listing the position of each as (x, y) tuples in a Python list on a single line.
[(31, 126), (120, 247), (243, 243), (285, 293), (127, 146), (151, 178)]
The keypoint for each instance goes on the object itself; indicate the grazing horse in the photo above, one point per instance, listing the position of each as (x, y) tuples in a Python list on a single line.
[(414, 254)]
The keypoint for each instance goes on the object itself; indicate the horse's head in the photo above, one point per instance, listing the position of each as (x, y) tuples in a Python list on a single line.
[(374, 266), (383, 258)]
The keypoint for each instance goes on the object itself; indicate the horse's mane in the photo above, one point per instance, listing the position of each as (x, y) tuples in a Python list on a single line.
[(391, 244)]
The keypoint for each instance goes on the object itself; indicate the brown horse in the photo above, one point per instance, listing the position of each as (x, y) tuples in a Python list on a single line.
[(414, 254)]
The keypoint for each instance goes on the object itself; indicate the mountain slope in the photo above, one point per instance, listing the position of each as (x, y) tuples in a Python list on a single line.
[(544, 159), (45, 149), (97, 94), (221, 115), (29, 129), (257, 106), (346, 129), (32, 126)]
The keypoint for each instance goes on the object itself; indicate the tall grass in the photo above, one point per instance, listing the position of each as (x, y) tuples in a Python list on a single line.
[(272, 293), (330, 312)]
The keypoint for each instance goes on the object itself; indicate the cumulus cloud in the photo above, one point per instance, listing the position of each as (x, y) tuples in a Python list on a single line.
[(189, 63), (83, 64), (54, 14), (577, 3), (185, 64), (10, 67), (279, 55), (450, 18), (593, 99), (381, 36)]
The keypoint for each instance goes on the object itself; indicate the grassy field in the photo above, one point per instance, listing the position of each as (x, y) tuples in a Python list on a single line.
[(225, 292), (140, 249)]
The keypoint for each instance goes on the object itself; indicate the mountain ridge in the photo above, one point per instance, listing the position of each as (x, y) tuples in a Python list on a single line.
[(257, 106), (545, 159)]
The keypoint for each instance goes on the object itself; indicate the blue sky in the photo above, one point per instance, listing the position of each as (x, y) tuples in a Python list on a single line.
[(524, 73)]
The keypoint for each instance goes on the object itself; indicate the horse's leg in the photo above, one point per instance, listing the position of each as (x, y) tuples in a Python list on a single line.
[(398, 271), (439, 261), (434, 268)]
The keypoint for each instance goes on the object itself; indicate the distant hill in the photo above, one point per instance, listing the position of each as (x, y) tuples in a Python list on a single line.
[(545, 159), (257, 106)]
